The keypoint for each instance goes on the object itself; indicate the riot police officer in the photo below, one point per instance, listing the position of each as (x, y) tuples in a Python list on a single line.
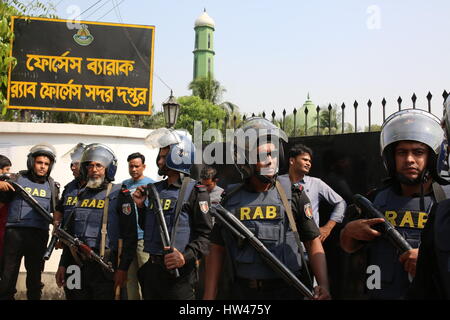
[(185, 205), (410, 143), (432, 279), (73, 187), (258, 203), (99, 216), (26, 231), (70, 192)]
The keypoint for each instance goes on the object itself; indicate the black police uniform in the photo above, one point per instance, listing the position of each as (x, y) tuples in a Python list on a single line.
[(191, 238), (26, 235), (264, 214), (97, 283), (432, 280)]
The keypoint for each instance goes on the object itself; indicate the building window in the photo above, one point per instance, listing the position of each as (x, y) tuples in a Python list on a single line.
[(209, 66), (209, 41), (195, 68), (196, 40)]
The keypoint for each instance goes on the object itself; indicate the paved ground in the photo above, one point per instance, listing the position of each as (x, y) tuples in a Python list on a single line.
[(50, 291)]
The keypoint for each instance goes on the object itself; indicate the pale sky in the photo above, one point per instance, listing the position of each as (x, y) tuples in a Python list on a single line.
[(270, 54)]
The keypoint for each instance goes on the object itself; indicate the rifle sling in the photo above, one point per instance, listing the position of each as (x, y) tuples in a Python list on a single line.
[(293, 226), (105, 222), (53, 191)]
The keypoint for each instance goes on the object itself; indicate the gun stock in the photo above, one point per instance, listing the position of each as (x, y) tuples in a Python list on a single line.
[(54, 239)]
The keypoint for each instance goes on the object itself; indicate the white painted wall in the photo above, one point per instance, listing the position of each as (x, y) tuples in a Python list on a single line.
[(17, 138)]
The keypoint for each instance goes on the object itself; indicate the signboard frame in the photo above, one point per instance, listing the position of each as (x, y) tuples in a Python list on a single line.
[(93, 109)]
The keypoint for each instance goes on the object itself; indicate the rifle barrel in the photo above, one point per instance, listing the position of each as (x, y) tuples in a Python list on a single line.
[(164, 232), (391, 233)]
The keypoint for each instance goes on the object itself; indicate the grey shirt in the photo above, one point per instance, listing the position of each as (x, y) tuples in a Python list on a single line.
[(216, 195), (317, 191)]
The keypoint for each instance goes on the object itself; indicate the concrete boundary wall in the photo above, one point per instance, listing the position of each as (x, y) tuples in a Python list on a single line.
[(17, 138)]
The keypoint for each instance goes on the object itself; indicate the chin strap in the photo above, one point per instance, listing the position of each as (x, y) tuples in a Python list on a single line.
[(265, 179), (37, 178), (423, 180)]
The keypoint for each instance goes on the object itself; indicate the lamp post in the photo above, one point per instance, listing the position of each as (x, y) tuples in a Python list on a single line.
[(171, 110)]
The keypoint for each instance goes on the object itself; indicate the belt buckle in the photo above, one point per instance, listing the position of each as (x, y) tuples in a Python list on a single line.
[(255, 284), (155, 259)]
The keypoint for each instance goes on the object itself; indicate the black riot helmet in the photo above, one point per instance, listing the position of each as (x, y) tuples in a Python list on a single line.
[(41, 149), (253, 133), (413, 125), (101, 153)]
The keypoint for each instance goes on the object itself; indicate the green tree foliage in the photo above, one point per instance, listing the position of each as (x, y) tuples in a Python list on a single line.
[(156, 120), (229, 107), (7, 10), (373, 128), (329, 121), (194, 108), (326, 117), (207, 88)]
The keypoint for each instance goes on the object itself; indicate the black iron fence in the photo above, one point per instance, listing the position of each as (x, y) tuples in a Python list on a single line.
[(325, 118)]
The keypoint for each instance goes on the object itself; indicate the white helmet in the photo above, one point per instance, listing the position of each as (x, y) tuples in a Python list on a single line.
[(413, 125)]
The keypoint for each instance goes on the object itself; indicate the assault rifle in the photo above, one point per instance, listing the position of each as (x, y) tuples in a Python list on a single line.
[(54, 238), (164, 232), (81, 248), (243, 233), (385, 227)]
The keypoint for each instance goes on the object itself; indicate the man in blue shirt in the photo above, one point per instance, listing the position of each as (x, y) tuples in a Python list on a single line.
[(136, 167), (300, 158)]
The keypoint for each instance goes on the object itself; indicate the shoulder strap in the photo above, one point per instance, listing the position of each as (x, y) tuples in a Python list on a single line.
[(293, 226), (105, 222), (232, 192), (181, 198), (438, 192), (288, 208), (53, 188)]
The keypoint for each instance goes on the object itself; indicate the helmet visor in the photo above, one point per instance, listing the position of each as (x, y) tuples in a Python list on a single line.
[(412, 125), (446, 119), (98, 153), (75, 153), (161, 138), (256, 133), (45, 149)]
